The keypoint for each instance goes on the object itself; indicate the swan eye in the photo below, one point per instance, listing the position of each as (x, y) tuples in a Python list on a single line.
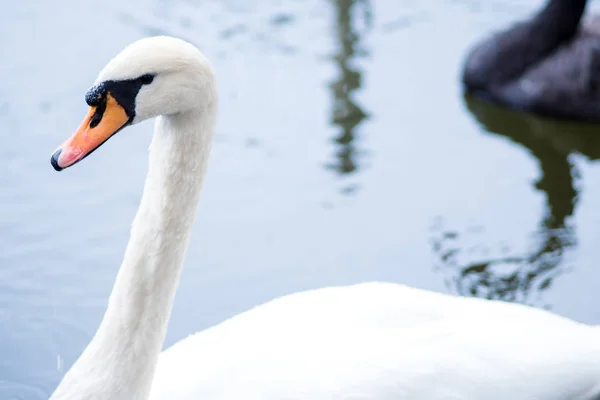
[(146, 79)]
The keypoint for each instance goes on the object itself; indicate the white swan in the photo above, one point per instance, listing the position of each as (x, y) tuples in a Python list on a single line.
[(369, 341)]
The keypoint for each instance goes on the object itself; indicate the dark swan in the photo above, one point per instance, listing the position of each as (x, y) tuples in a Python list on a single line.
[(548, 65)]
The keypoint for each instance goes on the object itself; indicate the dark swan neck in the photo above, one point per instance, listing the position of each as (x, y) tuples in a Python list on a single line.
[(561, 18)]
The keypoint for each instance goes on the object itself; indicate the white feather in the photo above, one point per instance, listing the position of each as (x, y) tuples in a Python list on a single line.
[(368, 341)]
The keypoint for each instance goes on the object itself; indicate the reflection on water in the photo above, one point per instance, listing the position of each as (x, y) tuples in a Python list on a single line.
[(347, 114), (515, 277)]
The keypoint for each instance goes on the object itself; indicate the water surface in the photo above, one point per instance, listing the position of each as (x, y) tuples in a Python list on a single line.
[(345, 152)]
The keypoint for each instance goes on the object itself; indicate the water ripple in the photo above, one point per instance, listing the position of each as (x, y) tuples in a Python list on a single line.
[(22, 391)]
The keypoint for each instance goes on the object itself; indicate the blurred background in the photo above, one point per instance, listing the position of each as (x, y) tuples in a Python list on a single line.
[(345, 152)]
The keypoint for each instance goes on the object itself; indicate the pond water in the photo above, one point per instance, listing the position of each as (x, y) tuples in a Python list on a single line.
[(345, 152)]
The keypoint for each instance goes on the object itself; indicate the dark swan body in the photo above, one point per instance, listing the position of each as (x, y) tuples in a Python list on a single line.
[(548, 65)]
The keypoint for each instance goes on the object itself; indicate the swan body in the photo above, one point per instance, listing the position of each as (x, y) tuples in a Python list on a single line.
[(384, 341), (548, 65), (366, 341)]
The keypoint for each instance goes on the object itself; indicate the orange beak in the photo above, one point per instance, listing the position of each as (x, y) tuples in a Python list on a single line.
[(91, 134)]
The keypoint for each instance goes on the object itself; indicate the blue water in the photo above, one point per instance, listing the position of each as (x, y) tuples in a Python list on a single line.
[(345, 152)]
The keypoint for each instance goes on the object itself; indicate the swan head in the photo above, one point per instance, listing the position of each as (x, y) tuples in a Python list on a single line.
[(150, 77)]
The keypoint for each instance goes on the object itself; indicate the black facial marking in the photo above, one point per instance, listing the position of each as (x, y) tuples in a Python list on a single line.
[(123, 91), (146, 79)]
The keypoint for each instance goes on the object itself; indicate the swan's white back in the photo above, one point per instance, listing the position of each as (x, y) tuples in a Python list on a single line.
[(384, 341)]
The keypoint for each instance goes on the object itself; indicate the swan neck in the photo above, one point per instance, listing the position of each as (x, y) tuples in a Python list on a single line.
[(120, 360), (561, 17)]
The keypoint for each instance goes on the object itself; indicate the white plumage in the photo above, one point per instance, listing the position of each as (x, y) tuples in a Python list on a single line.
[(367, 341), (385, 341)]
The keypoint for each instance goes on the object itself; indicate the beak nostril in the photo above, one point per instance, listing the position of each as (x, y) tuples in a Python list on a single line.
[(95, 120)]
